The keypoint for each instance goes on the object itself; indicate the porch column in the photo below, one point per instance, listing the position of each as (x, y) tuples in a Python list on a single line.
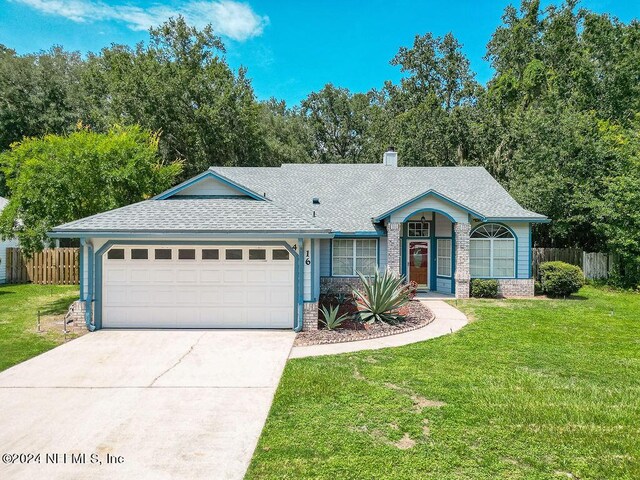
[(393, 247), (463, 275)]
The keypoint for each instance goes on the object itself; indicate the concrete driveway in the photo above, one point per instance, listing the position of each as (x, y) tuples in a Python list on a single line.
[(162, 404)]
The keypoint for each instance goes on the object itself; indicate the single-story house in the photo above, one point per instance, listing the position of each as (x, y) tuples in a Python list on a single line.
[(4, 244), (254, 247)]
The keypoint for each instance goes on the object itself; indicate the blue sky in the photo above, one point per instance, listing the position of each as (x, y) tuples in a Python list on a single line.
[(289, 47)]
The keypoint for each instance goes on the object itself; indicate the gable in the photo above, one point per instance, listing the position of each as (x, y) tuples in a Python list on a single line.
[(430, 201), (210, 187), (209, 184)]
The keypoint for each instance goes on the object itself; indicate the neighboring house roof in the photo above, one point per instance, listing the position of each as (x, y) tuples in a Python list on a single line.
[(198, 215), (352, 199), (352, 195)]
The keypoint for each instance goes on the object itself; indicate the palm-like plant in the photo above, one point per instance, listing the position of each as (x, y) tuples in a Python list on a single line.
[(331, 320), (381, 297)]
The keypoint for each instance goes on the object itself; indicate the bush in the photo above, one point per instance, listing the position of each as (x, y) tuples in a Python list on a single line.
[(537, 288), (560, 279), (382, 296), (481, 288)]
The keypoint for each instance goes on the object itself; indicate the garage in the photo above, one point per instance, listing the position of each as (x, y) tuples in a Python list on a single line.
[(187, 286)]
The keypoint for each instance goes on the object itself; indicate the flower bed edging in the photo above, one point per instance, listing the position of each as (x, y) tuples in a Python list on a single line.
[(387, 333)]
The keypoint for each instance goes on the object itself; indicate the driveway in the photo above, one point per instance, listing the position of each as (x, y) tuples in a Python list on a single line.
[(162, 404)]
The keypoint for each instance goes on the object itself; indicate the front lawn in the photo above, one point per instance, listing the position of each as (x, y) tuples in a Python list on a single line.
[(532, 389), (19, 306)]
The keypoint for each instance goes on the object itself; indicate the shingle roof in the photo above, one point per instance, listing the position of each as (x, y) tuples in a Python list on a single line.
[(351, 195), (189, 214)]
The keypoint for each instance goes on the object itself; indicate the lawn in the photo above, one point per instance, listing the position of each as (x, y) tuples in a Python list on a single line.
[(19, 305), (532, 389)]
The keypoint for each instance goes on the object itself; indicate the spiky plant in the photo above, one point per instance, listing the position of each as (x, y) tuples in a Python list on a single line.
[(381, 297), (330, 318)]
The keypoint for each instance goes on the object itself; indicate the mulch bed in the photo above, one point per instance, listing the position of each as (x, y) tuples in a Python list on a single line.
[(417, 315)]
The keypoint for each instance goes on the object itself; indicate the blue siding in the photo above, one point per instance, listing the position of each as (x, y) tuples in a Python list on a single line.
[(443, 285), (325, 257), (521, 231)]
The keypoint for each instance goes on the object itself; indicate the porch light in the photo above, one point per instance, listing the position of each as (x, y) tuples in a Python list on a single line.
[(423, 221)]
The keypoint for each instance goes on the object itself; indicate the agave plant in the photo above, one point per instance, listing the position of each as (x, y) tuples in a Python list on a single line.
[(381, 297), (330, 318)]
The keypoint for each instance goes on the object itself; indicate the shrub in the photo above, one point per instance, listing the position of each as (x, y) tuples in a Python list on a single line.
[(383, 294), (482, 288), (537, 288), (560, 279), (330, 319)]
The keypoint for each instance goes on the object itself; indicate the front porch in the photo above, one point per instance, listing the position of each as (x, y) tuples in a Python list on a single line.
[(431, 247)]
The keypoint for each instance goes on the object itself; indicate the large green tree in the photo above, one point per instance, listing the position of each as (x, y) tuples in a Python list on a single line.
[(60, 178), (180, 84)]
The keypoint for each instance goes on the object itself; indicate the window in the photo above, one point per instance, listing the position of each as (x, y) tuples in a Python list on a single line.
[(418, 229), (280, 254), (444, 257), (163, 254), (255, 254), (139, 254), (186, 254), (354, 255), (233, 254), (116, 254), (210, 254), (492, 252)]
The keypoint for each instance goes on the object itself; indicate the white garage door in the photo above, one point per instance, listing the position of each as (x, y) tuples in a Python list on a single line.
[(198, 287)]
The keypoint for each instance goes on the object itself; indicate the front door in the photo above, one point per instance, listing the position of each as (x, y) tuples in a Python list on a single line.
[(418, 262)]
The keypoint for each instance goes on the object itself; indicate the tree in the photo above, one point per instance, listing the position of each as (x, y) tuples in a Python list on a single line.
[(180, 84), (38, 95), (432, 107), (60, 178), (337, 120)]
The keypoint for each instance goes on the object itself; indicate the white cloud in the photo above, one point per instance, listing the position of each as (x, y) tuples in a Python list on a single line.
[(228, 18)]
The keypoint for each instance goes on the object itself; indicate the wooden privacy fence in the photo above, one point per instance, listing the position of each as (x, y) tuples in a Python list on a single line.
[(52, 266), (594, 265)]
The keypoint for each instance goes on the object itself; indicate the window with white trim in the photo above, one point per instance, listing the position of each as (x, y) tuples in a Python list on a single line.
[(418, 229), (444, 257), (354, 255), (492, 252)]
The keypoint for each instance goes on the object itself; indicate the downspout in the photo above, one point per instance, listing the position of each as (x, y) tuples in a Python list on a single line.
[(300, 283), (88, 300)]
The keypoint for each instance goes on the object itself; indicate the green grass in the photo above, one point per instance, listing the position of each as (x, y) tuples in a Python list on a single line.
[(532, 389), (19, 305)]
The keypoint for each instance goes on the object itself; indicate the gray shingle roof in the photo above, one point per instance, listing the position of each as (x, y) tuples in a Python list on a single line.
[(189, 214), (351, 195)]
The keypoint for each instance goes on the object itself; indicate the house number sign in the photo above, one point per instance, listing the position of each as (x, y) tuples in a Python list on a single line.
[(307, 260)]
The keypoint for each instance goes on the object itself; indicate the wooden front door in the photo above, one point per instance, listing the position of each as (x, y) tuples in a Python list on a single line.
[(418, 253)]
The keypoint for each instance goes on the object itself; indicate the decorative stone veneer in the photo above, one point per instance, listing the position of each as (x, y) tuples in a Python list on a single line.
[(339, 284), (521, 287), (310, 316), (463, 276), (393, 247), (76, 313)]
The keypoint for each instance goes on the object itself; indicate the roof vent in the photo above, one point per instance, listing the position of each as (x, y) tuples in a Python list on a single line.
[(316, 201), (390, 157)]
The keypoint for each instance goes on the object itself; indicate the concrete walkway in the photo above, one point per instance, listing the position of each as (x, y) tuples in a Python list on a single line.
[(448, 319), (137, 404)]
